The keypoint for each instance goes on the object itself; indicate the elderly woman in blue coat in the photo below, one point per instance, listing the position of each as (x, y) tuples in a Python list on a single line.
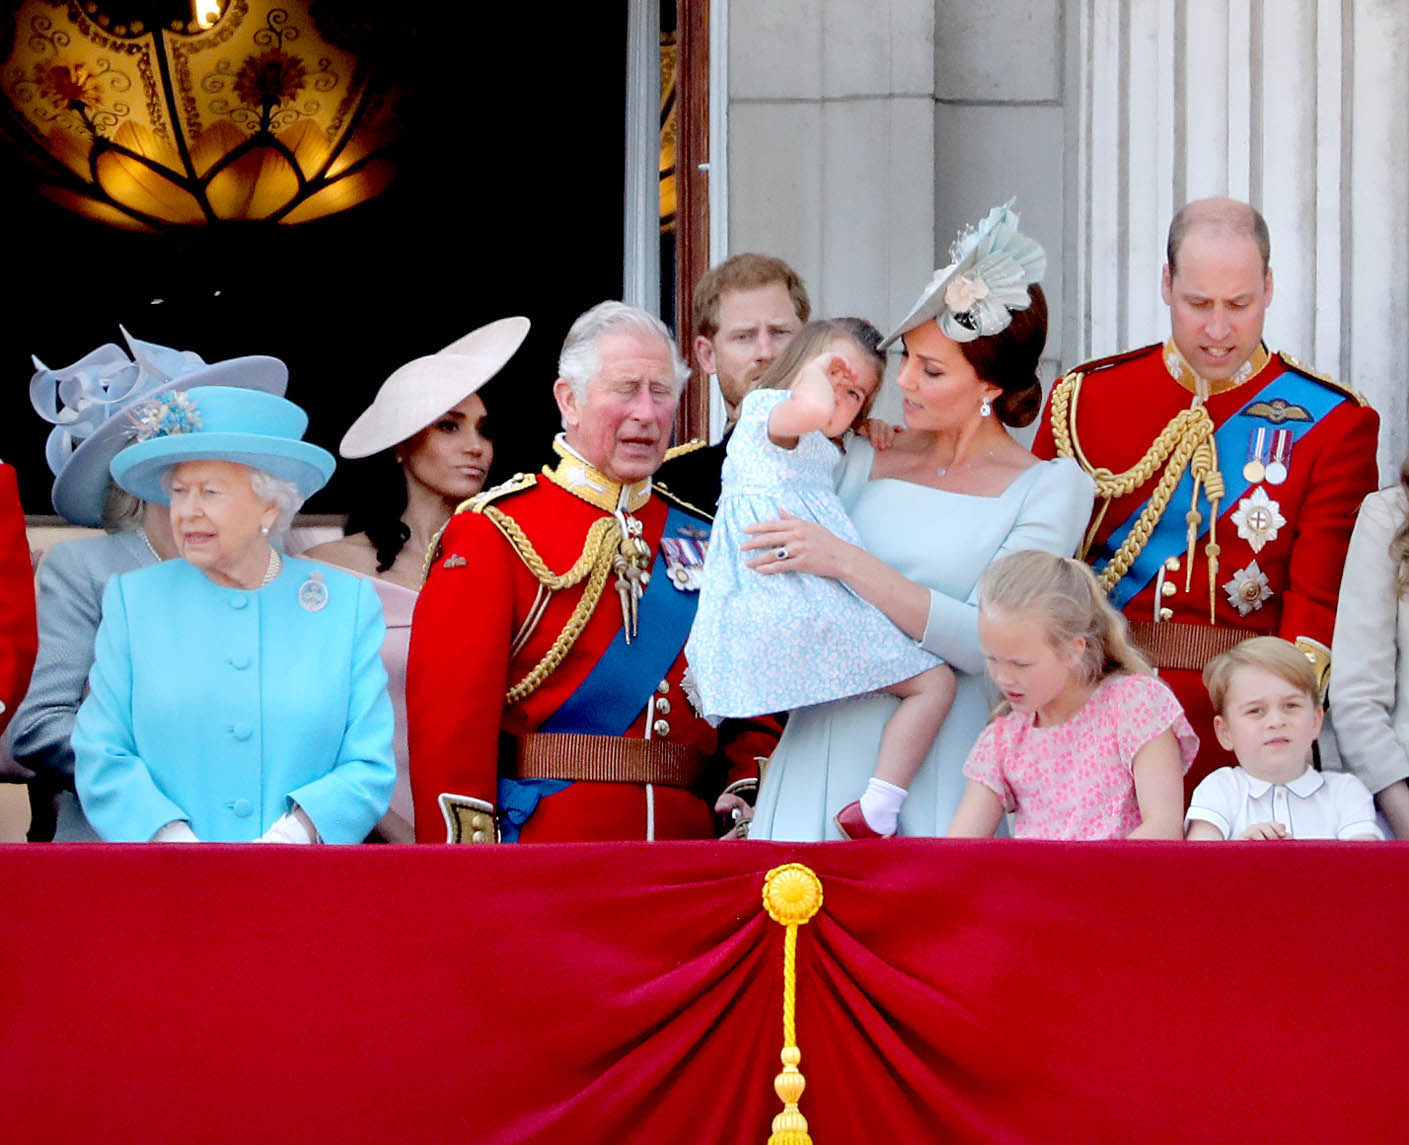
[(236, 695)]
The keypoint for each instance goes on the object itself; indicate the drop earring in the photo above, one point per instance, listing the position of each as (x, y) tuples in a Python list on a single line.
[(986, 409)]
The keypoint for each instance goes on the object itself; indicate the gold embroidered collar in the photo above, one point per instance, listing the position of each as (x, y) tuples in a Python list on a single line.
[(1184, 374), (582, 479)]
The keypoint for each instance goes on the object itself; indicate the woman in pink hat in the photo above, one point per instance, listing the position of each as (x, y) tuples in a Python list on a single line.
[(429, 421)]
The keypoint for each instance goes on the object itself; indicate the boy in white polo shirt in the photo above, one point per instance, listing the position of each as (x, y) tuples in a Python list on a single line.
[(1268, 715)]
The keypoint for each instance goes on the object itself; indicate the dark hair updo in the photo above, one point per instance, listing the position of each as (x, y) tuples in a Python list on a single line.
[(1009, 361)]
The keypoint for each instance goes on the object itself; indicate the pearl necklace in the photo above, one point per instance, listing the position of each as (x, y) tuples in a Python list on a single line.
[(275, 566)]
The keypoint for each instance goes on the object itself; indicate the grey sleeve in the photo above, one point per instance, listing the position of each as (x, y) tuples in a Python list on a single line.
[(69, 606)]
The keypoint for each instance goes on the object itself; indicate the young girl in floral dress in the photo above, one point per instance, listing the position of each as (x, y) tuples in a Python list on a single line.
[(1087, 743), (764, 644)]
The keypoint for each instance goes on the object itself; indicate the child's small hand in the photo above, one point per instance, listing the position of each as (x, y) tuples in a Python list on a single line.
[(880, 433), (828, 366), (1268, 830)]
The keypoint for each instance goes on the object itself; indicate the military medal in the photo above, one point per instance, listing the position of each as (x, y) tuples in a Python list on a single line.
[(1256, 469), (684, 561), (1281, 456), (1248, 589), (313, 593), (1258, 518)]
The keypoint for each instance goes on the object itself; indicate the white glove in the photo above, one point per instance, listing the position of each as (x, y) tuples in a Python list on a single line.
[(286, 829), (177, 831)]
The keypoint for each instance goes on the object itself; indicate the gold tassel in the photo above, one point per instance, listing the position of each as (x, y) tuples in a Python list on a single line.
[(792, 894)]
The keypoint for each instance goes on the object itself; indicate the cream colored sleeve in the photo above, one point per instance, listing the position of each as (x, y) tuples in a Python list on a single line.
[(1365, 649)]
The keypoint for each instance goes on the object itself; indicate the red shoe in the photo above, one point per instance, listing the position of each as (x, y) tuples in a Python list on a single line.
[(852, 824)]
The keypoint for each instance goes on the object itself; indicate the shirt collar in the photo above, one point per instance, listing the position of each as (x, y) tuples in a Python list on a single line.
[(583, 479), (1303, 785)]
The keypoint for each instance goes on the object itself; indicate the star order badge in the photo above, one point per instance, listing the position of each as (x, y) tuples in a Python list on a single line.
[(1258, 518), (1248, 589)]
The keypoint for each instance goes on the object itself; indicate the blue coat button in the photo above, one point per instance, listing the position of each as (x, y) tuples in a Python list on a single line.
[(241, 731), (240, 663), (240, 601), (242, 808)]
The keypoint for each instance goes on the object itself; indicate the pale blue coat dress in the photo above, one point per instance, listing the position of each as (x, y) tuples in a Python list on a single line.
[(223, 706), (944, 541)]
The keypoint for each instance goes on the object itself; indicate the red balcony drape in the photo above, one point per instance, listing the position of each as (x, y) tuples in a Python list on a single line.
[(995, 991)]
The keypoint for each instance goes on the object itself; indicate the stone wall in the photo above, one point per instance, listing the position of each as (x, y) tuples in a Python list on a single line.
[(861, 135)]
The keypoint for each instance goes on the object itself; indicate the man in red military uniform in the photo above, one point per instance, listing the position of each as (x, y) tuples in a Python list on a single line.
[(546, 691), (1227, 478), (19, 636)]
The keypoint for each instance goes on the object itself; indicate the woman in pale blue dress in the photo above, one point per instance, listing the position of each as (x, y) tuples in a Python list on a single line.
[(953, 494)]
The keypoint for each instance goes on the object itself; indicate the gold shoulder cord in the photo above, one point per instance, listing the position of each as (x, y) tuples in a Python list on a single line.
[(1188, 437), (595, 562), (475, 504)]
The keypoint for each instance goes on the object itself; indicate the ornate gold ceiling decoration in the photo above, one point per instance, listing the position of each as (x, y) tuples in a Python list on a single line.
[(261, 116)]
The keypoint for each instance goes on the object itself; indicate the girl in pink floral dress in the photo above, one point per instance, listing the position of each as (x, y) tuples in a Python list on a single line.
[(1088, 743)]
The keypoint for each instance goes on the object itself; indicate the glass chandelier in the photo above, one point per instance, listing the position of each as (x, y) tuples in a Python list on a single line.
[(157, 113)]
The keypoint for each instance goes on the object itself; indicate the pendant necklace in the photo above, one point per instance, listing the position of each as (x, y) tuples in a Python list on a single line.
[(946, 470)]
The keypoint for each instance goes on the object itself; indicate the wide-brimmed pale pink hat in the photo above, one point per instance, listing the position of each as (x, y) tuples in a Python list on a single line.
[(425, 388)]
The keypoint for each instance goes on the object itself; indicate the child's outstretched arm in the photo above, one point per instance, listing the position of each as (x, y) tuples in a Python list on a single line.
[(978, 814), (811, 401), (1159, 788)]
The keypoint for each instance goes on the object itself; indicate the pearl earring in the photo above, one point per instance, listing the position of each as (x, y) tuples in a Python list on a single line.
[(264, 530), (986, 409)]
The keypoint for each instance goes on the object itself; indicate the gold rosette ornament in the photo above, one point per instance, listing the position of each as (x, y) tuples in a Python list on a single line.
[(792, 894)]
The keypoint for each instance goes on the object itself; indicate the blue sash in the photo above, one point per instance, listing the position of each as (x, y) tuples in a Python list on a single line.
[(1170, 537), (614, 693)]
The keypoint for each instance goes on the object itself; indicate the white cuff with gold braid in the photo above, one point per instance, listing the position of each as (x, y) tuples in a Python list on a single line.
[(468, 820)]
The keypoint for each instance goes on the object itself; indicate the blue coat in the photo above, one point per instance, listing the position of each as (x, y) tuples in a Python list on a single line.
[(221, 706)]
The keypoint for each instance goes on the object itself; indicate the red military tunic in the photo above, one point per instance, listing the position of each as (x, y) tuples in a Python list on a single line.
[(477, 598), (1281, 544), (19, 635)]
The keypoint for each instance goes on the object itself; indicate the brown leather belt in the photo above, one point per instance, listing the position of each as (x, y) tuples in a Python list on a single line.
[(606, 759), (1170, 644)]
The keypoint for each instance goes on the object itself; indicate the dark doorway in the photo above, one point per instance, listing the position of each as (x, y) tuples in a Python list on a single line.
[(507, 200)]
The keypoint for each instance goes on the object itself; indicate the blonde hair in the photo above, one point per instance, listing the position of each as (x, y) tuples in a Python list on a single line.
[(1064, 596), (1270, 653), (813, 339)]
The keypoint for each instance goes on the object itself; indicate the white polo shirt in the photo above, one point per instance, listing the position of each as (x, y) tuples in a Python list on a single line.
[(1314, 805)]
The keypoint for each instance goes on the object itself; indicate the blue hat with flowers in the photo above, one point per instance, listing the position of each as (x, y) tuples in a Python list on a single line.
[(85, 402), (219, 423)]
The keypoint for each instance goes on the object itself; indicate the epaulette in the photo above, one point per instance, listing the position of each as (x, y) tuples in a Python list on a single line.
[(475, 504), (1331, 383), (680, 502), (516, 484), (685, 447), (1114, 360)]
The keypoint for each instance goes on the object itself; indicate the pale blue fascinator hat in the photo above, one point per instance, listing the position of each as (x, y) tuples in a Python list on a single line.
[(87, 403), (219, 423), (991, 267)]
